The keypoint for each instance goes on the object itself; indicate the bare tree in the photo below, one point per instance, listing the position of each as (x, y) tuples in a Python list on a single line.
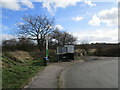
[(68, 38), (36, 28), (62, 38)]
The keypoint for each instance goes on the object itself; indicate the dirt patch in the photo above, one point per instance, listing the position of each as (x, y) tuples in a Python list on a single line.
[(21, 55), (13, 58)]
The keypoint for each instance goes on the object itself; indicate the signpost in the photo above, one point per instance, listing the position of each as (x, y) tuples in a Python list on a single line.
[(47, 50), (47, 46)]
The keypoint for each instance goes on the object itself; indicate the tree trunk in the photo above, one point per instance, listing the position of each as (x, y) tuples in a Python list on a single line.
[(41, 48)]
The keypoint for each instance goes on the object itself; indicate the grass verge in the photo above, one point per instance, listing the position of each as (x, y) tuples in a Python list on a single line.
[(16, 74)]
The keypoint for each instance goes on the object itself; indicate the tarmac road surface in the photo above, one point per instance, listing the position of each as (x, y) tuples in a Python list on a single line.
[(102, 72)]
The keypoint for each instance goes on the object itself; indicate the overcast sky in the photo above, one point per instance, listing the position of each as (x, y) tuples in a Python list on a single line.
[(88, 21)]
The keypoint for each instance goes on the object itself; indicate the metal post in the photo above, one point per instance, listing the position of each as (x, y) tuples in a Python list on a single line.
[(47, 50)]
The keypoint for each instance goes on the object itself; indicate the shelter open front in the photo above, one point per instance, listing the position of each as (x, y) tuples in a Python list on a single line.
[(65, 53)]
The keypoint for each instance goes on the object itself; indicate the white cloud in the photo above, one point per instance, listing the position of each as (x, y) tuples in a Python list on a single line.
[(108, 17), (117, 1), (52, 5), (90, 3), (12, 4), (100, 35), (5, 37), (28, 3), (59, 27), (77, 18), (15, 5), (95, 21), (19, 23)]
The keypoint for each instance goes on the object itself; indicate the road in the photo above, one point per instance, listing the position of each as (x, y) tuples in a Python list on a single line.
[(48, 77), (100, 73)]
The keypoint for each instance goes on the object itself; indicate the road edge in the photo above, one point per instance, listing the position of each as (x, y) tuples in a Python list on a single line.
[(60, 81)]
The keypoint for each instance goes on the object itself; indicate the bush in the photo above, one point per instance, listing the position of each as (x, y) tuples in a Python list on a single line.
[(22, 43), (113, 51), (38, 62), (53, 58)]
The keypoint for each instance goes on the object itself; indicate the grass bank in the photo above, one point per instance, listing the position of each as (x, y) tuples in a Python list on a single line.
[(17, 72)]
